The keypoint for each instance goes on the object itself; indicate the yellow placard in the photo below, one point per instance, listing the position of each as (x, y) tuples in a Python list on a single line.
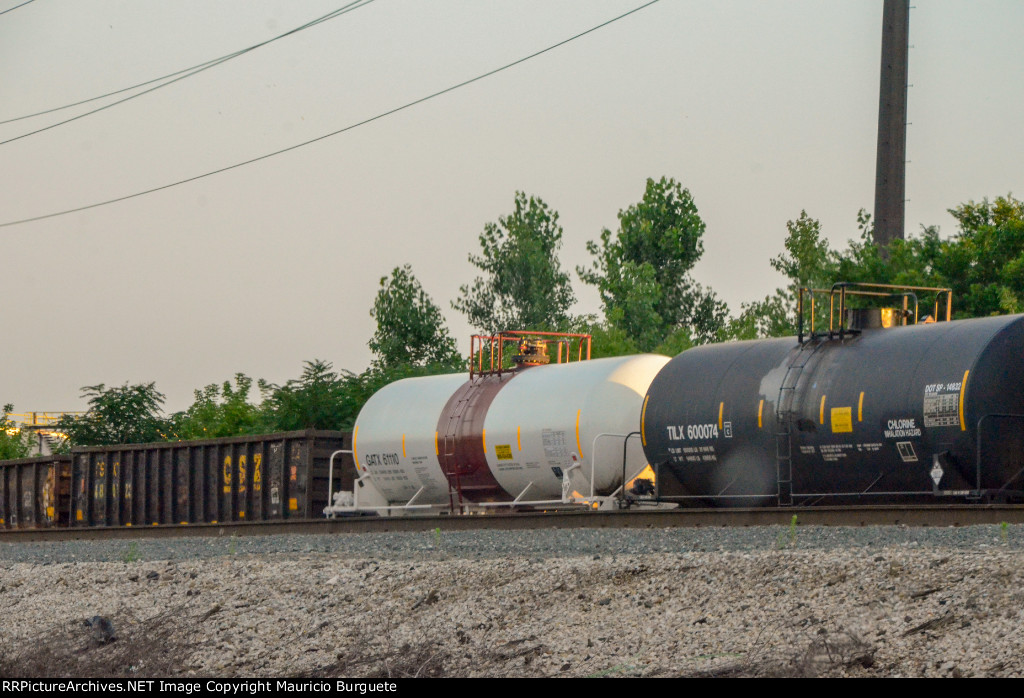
[(503, 451), (842, 420)]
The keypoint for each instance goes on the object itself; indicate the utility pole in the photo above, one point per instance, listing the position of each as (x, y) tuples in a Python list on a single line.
[(891, 165)]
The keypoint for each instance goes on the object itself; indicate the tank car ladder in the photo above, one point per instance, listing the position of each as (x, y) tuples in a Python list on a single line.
[(784, 424), (449, 467)]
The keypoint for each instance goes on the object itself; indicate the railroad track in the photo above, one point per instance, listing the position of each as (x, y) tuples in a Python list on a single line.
[(919, 515)]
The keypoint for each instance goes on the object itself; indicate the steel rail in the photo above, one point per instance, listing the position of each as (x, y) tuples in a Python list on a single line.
[(914, 515)]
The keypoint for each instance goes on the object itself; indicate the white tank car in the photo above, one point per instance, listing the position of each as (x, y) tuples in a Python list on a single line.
[(569, 418), (393, 441), (550, 432)]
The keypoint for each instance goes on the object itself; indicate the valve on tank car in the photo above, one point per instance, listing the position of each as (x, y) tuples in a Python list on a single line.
[(532, 352)]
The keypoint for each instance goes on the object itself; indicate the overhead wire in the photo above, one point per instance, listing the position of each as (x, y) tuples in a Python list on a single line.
[(182, 74), (16, 7), (371, 119)]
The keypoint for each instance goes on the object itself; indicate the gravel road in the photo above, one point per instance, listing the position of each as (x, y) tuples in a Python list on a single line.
[(808, 601)]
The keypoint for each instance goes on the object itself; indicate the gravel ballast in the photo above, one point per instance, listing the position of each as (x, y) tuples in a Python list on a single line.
[(779, 601)]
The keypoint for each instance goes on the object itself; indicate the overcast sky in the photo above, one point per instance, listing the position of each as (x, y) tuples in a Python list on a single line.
[(759, 108)]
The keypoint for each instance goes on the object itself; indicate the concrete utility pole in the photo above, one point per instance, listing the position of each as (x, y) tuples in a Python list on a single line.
[(891, 166)]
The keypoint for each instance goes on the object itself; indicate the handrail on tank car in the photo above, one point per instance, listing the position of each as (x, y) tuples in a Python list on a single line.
[(593, 459), (496, 346), (856, 288), (978, 459), (622, 488), (330, 477)]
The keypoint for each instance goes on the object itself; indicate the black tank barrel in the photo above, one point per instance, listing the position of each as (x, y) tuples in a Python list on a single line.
[(887, 413)]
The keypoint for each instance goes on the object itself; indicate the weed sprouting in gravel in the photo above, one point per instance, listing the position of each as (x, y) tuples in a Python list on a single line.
[(132, 553), (787, 538)]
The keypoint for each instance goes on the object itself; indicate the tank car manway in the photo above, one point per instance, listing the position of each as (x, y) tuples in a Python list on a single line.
[(914, 516)]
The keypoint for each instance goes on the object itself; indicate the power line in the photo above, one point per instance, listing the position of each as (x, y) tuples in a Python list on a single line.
[(184, 73), (341, 130), (16, 7)]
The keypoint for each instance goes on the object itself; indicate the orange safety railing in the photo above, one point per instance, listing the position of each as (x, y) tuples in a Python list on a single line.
[(31, 420), (850, 288), (566, 343)]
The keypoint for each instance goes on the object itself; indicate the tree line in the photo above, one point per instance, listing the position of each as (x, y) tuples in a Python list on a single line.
[(649, 303)]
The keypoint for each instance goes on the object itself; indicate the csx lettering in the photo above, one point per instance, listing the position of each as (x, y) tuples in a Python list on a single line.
[(257, 473)]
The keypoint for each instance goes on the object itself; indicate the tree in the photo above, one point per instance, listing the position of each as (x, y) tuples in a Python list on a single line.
[(984, 263), (120, 415), (523, 287), (320, 399), (14, 442), (642, 271), (219, 411), (808, 262), (410, 328)]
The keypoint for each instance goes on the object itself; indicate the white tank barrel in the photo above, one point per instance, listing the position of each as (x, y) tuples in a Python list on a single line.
[(545, 423), (520, 433), (394, 439)]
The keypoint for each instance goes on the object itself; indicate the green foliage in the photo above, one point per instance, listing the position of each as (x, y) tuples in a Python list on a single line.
[(787, 538), (132, 553), (642, 270), (610, 341), (523, 286), (410, 328), (119, 415), (984, 264), (14, 443), (219, 411), (676, 343), (61, 447), (807, 262), (326, 399), (771, 317), (319, 399)]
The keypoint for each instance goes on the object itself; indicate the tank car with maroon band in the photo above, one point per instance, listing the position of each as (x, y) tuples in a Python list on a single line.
[(539, 430), (861, 413)]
